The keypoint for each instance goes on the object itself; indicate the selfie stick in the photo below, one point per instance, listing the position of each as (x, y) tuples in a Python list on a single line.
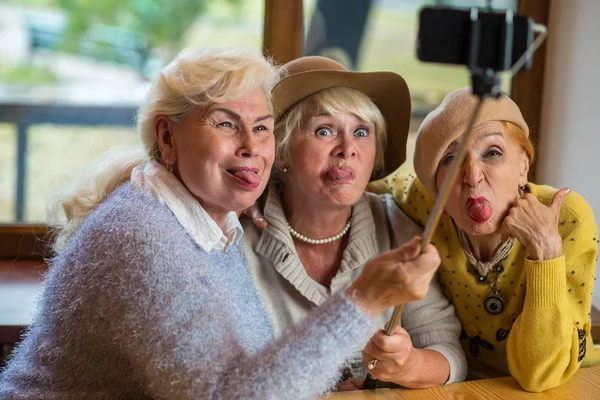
[(435, 215), (484, 83)]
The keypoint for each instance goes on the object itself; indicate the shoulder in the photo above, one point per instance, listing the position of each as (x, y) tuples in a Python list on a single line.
[(575, 212), (403, 227), (128, 212), (252, 233), (408, 193), (127, 225)]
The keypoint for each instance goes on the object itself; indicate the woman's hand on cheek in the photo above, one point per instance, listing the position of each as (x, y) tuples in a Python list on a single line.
[(535, 225)]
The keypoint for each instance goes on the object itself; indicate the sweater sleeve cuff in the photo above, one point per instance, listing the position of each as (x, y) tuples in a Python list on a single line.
[(546, 282), (456, 360)]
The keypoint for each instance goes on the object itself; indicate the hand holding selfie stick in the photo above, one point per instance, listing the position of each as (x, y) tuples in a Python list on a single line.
[(484, 83)]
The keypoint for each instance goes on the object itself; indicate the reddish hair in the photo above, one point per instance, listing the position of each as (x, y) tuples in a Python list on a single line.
[(515, 132)]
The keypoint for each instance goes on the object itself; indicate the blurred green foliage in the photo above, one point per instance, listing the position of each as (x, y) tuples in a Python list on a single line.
[(161, 23), (25, 73)]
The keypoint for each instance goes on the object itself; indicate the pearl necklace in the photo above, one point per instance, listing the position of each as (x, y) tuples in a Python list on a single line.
[(319, 241)]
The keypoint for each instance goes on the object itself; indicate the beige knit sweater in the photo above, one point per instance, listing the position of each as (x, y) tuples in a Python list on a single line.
[(289, 294)]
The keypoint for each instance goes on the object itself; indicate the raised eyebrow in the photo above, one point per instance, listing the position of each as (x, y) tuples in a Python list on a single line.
[(227, 111), (264, 117)]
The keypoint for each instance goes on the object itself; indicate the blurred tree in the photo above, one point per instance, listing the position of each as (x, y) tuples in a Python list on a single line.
[(161, 23)]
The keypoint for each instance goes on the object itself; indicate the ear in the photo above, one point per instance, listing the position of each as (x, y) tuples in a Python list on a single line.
[(163, 129), (524, 170)]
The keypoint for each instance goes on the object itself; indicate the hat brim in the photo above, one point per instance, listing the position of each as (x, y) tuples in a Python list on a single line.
[(387, 90)]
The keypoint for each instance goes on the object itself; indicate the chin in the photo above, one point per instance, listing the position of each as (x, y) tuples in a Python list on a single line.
[(480, 229), (345, 198), (240, 203)]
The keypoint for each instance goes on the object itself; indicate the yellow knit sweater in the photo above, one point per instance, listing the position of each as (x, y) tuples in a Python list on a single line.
[(540, 336)]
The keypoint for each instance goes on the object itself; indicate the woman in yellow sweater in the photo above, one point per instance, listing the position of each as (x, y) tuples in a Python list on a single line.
[(518, 259)]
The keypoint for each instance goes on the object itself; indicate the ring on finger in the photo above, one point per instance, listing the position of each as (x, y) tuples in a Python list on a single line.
[(372, 364)]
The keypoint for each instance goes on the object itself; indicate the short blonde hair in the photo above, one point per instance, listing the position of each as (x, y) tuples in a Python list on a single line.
[(195, 78), (329, 101)]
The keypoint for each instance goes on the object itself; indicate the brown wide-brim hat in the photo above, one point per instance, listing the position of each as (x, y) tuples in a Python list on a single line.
[(388, 90)]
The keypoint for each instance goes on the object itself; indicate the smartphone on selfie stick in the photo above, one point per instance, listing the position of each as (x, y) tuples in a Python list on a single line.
[(487, 42)]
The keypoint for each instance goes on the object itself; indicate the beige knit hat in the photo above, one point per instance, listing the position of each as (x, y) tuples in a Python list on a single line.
[(449, 121)]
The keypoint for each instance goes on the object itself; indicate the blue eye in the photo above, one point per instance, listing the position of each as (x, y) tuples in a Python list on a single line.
[(225, 124), (324, 132), (362, 132)]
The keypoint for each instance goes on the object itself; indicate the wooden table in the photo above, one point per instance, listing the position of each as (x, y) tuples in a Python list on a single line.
[(20, 284), (585, 385)]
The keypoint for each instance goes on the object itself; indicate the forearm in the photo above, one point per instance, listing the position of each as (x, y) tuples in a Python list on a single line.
[(542, 346), (432, 324), (307, 358), (302, 364), (426, 368)]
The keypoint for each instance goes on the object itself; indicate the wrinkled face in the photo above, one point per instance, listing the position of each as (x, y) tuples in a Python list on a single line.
[(332, 159), (223, 153), (487, 185)]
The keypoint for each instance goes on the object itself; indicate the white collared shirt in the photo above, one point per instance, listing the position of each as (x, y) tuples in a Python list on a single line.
[(154, 179)]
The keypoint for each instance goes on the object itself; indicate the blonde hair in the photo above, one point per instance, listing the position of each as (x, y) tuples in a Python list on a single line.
[(195, 78), (329, 101)]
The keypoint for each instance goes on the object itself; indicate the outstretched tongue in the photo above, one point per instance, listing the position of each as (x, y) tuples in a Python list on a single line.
[(337, 173), (479, 210), (247, 176)]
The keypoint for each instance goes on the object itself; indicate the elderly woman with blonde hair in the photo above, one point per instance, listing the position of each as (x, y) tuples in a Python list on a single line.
[(518, 259), (149, 296), (331, 135)]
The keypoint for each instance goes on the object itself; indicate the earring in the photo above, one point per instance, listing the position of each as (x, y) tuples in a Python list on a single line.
[(521, 191), (285, 169), (170, 168)]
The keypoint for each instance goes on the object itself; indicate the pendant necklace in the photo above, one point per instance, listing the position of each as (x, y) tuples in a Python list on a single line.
[(493, 303)]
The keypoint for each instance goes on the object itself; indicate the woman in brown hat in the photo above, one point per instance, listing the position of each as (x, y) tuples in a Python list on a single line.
[(322, 228), (518, 259)]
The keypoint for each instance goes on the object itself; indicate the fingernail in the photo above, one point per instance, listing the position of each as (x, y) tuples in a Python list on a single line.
[(260, 219), (568, 191)]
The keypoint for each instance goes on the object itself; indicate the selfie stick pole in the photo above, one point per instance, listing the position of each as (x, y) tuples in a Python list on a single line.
[(434, 218)]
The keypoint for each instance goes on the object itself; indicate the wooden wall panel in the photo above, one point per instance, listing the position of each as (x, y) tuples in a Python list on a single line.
[(23, 241), (528, 86), (283, 30)]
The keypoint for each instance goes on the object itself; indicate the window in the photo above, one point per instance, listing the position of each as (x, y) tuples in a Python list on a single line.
[(73, 72), (367, 35)]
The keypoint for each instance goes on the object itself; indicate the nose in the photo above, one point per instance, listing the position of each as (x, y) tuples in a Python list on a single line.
[(473, 173), (346, 147), (248, 147)]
